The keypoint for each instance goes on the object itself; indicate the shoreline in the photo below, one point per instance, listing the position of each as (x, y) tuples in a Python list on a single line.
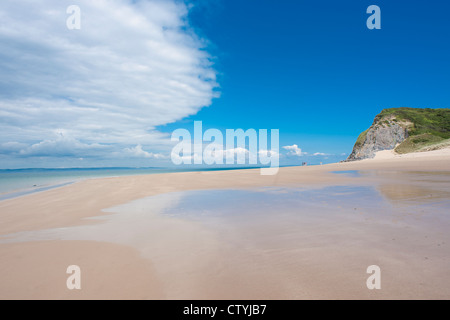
[(124, 189), (24, 192), (382, 156), (83, 204), (20, 192)]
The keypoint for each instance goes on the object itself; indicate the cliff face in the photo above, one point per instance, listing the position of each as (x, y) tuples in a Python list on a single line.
[(382, 135), (405, 130)]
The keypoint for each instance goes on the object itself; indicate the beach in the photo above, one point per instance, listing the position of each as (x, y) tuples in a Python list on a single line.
[(224, 150), (306, 233)]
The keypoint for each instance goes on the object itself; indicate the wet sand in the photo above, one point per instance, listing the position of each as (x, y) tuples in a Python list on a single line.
[(37, 270), (137, 249)]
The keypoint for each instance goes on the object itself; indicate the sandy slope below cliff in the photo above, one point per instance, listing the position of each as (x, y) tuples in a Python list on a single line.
[(391, 154)]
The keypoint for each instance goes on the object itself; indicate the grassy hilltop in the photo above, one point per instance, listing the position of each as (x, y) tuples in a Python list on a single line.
[(427, 128), (405, 129)]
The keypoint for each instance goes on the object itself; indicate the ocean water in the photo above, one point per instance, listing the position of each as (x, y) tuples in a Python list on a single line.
[(18, 182), (21, 180)]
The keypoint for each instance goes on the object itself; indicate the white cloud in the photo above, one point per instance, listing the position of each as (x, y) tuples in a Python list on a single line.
[(267, 153), (294, 150), (189, 158), (11, 147), (232, 155), (63, 146), (133, 66), (320, 154), (137, 151), (219, 152)]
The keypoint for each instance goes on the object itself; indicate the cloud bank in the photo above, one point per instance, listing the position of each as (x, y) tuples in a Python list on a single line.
[(101, 90), (294, 150)]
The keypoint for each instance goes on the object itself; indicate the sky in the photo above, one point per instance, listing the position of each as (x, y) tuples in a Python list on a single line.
[(112, 92)]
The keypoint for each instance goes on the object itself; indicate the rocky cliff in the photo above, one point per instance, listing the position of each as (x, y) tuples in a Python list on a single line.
[(403, 129)]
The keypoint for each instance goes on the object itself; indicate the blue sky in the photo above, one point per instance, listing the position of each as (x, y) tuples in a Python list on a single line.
[(314, 70), (111, 93)]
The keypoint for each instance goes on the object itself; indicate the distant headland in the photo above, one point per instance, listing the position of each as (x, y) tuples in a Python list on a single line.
[(404, 130)]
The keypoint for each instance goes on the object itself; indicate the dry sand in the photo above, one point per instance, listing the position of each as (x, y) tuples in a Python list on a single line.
[(391, 154), (36, 269)]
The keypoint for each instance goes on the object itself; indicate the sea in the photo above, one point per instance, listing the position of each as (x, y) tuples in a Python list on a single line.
[(19, 182)]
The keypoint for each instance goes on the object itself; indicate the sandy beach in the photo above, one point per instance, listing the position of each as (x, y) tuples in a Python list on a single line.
[(312, 255), (224, 150)]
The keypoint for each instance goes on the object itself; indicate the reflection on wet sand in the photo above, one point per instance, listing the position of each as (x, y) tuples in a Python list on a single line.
[(414, 188), (409, 194), (286, 243)]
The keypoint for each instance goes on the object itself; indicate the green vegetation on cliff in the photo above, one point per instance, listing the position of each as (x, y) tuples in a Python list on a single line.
[(361, 138), (431, 121), (427, 128), (421, 142)]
